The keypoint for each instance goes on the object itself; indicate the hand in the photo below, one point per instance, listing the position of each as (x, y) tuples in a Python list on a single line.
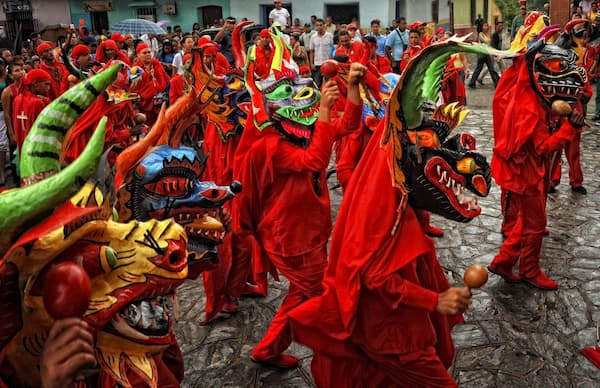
[(329, 94), (356, 74), (11, 138), (453, 301), (68, 349), (226, 219), (137, 129), (576, 119)]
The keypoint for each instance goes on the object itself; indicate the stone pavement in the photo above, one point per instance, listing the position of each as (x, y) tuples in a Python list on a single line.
[(514, 335)]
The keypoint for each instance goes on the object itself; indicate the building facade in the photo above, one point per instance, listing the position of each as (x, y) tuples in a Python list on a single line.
[(22, 17)]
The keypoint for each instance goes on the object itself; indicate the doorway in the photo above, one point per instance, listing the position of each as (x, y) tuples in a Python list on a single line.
[(209, 15), (99, 21), (342, 13)]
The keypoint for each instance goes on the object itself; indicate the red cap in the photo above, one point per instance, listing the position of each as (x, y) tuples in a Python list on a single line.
[(304, 69), (187, 57), (36, 75), (117, 37), (79, 51), (265, 33), (203, 40), (440, 30), (109, 43), (43, 47), (140, 47), (417, 24)]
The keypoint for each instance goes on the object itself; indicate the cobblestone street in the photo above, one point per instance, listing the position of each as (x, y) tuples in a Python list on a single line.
[(515, 335)]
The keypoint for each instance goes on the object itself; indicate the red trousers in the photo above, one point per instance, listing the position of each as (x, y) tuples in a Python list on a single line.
[(524, 241), (418, 369), (509, 213), (573, 154), (305, 274)]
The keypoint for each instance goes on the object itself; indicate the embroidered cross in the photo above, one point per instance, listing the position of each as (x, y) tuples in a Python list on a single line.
[(22, 118)]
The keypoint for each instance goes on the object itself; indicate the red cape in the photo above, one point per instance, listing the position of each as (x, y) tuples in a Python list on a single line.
[(364, 254)]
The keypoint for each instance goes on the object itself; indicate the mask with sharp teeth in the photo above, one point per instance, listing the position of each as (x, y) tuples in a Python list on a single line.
[(434, 172), (283, 99)]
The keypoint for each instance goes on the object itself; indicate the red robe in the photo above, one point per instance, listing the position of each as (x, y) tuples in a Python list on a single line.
[(177, 88), (27, 105), (152, 83), (409, 54), (523, 147), (57, 72), (381, 289), (355, 52)]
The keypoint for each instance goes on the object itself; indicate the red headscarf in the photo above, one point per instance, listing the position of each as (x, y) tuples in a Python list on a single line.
[(109, 43), (36, 75), (140, 47), (43, 47), (80, 50), (117, 37)]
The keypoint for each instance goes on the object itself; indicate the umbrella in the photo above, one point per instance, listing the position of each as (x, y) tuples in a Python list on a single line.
[(137, 27), (163, 23)]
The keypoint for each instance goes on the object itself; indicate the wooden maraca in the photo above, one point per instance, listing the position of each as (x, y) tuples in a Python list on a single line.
[(67, 290), (564, 109), (475, 276)]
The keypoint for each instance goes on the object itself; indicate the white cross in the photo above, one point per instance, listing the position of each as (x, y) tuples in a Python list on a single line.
[(22, 118)]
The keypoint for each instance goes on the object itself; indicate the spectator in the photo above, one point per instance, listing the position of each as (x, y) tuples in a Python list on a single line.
[(15, 76), (306, 35), (497, 43), (279, 14), (320, 47), (591, 15), (479, 23), (188, 44), (395, 44), (586, 6), (517, 22), (129, 46), (152, 42), (18, 60), (578, 14), (297, 27), (166, 56), (313, 22), (353, 31), (299, 53), (196, 27), (484, 59), (348, 47), (223, 37), (6, 54), (330, 26), (379, 39)]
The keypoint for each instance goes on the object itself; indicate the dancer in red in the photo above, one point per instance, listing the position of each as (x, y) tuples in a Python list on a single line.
[(31, 100), (55, 69), (524, 146), (386, 314), (285, 149), (154, 81)]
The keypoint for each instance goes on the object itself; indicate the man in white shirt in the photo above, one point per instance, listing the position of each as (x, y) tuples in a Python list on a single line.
[(279, 14), (152, 42), (306, 35), (188, 44), (320, 47)]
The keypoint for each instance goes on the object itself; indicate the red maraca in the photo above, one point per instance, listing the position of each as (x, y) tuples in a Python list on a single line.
[(67, 290), (475, 276), (329, 68)]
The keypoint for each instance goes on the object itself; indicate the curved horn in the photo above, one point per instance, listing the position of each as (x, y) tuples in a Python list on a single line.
[(238, 44), (41, 150), (18, 208), (64, 53)]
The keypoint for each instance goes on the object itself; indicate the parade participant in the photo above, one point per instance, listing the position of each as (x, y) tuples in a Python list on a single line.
[(108, 51), (281, 159), (352, 49), (586, 58), (523, 146), (154, 81), (31, 100), (15, 75), (386, 315), (81, 58), (180, 82), (55, 69), (414, 38), (264, 54), (304, 71)]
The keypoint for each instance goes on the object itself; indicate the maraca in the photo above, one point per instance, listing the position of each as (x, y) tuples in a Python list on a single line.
[(67, 290), (329, 68), (475, 276), (563, 108)]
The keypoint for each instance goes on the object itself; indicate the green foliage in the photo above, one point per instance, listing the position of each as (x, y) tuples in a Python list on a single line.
[(509, 9)]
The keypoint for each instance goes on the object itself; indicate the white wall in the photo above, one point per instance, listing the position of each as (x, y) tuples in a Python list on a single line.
[(51, 12)]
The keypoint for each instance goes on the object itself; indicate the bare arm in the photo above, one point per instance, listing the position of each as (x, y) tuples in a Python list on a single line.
[(7, 99)]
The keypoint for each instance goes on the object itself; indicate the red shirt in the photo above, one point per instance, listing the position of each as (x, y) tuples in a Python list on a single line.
[(355, 51), (409, 54), (57, 72), (153, 82), (26, 108)]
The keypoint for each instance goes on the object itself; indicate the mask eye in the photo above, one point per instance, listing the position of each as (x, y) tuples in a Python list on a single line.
[(281, 92), (427, 138), (556, 65), (170, 186)]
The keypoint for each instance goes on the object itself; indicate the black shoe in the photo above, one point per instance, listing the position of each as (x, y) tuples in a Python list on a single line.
[(579, 189), (552, 189), (472, 86)]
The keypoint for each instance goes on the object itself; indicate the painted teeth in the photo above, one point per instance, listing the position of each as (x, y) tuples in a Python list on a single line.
[(439, 170)]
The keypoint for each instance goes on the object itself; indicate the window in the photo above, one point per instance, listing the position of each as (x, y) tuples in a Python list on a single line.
[(209, 15), (148, 13), (342, 13)]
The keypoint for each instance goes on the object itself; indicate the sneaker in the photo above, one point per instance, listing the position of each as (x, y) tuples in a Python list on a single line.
[(284, 361), (541, 281), (579, 189)]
